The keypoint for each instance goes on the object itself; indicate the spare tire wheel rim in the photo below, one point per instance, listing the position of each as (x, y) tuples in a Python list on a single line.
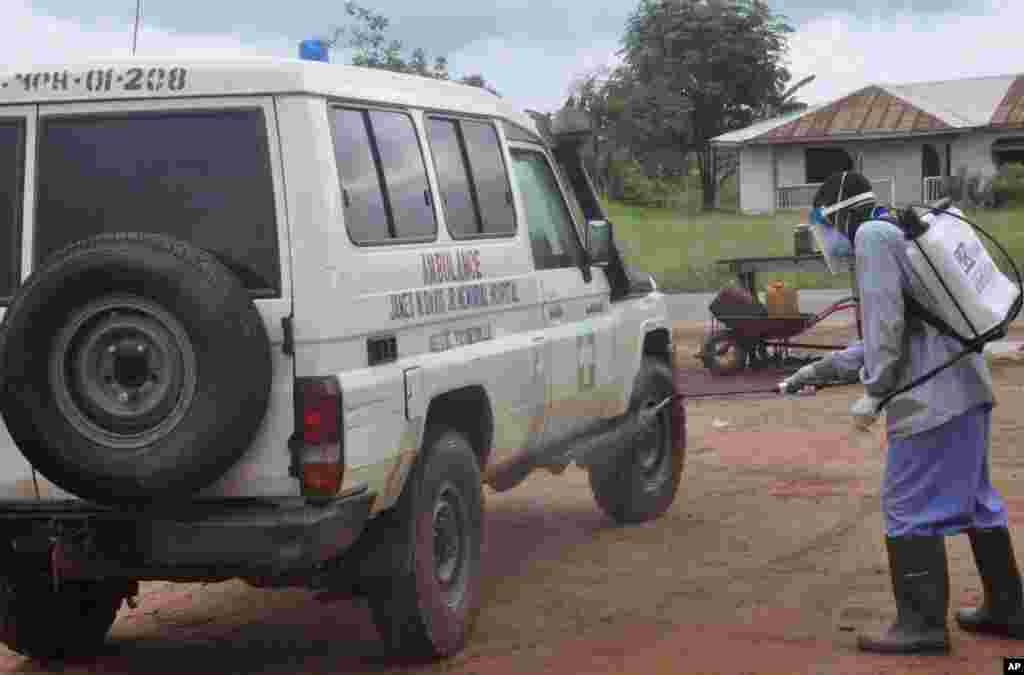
[(123, 371)]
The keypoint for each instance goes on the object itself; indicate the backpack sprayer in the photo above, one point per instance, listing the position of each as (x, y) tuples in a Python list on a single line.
[(967, 297)]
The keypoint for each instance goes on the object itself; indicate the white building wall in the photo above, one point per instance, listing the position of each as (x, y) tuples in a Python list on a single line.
[(763, 167), (792, 168), (757, 191), (974, 151), (898, 159)]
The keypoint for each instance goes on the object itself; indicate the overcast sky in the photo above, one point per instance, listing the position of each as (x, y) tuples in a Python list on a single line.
[(528, 49)]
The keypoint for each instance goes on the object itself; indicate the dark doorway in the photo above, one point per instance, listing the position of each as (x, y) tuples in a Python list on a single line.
[(823, 162), (1010, 157), (931, 165), (1008, 151)]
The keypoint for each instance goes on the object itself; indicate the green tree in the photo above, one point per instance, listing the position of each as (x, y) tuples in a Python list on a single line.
[(700, 68), (372, 49), (627, 118)]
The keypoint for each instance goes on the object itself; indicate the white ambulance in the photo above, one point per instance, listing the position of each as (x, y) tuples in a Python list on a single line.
[(282, 321)]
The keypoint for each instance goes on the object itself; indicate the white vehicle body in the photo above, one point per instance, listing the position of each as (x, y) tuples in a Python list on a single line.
[(341, 293), (401, 272)]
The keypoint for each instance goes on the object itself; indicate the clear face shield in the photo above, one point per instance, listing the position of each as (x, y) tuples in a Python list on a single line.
[(831, 227)]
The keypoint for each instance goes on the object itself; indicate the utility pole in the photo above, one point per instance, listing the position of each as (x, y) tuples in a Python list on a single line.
[(135, 33)]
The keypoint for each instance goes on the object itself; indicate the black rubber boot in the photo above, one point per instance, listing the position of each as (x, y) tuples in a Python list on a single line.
[(1002, 612), (920, 582)]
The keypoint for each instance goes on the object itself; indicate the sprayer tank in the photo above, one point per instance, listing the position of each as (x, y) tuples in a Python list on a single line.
[(973, 296)]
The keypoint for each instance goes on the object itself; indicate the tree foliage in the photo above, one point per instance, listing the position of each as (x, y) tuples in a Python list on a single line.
[(699, 68), (366, 36)]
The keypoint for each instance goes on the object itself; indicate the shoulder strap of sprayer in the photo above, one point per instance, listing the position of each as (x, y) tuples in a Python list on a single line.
[(915, 309)]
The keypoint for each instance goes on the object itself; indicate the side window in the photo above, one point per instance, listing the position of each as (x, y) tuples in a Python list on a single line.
[(552, 234), (453, 178), (12, 143), (383, 177), (489, 178), (473, 181)]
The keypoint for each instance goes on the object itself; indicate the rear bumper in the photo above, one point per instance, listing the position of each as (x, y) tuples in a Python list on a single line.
[(220, 539)]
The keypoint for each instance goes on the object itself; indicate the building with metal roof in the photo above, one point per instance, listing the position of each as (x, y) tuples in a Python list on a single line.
[(904, 137)]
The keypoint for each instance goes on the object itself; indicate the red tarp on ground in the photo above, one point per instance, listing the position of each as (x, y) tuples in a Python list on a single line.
[(700, 381)]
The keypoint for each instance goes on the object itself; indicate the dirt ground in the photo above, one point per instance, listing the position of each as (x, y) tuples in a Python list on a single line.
[(770, 560)]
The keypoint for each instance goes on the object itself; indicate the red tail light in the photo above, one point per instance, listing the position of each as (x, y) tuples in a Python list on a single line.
[(319, 459), (321, 411)]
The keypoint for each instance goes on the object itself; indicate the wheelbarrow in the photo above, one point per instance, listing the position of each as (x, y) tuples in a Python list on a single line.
[(744, 335)]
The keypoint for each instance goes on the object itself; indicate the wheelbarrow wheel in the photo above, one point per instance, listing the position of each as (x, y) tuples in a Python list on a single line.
[(724, 354)]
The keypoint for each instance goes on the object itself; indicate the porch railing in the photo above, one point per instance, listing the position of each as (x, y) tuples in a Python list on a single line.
[(801, 196), (932, 189)]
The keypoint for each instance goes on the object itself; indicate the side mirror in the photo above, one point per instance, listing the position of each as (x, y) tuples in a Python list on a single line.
[(599, 242)]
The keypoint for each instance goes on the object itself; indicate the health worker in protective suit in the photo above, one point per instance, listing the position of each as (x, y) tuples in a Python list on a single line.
[(936, 480)]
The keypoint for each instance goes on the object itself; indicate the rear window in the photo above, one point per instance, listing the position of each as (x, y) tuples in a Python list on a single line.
[(199, 176), (12, 151)]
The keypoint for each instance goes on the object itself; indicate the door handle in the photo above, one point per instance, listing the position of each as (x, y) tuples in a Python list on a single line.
[(556, 312), (595, 308)]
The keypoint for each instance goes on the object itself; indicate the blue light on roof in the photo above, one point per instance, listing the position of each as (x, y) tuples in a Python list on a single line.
[(313, 50)]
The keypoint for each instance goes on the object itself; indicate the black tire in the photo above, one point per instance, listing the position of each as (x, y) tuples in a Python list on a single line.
[(639, 483), (41, 623), (428, 608), (724, 354), (111, 424)]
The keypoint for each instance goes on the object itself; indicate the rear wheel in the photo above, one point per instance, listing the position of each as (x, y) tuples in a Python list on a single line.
[(72, 621), (429, 605), (724, 353)]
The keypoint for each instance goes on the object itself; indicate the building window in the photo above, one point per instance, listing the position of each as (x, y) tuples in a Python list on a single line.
[(823, 162), (1009, 151)]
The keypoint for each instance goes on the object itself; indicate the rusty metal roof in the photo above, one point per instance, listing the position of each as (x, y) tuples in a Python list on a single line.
[(868, 111), (1010, 111), (880, 111)]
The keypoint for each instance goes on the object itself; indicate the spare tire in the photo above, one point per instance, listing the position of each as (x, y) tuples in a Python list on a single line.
[(135, 368)]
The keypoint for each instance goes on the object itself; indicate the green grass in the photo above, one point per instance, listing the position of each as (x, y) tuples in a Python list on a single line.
[(680, 246)]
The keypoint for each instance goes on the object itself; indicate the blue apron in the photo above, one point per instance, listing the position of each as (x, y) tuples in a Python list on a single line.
[(937, 481)]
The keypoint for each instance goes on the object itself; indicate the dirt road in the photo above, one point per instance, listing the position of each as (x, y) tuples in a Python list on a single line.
[(769, 561)]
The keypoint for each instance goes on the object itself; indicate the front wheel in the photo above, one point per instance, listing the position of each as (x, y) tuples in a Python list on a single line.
[(640, 482), (429, 605)]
